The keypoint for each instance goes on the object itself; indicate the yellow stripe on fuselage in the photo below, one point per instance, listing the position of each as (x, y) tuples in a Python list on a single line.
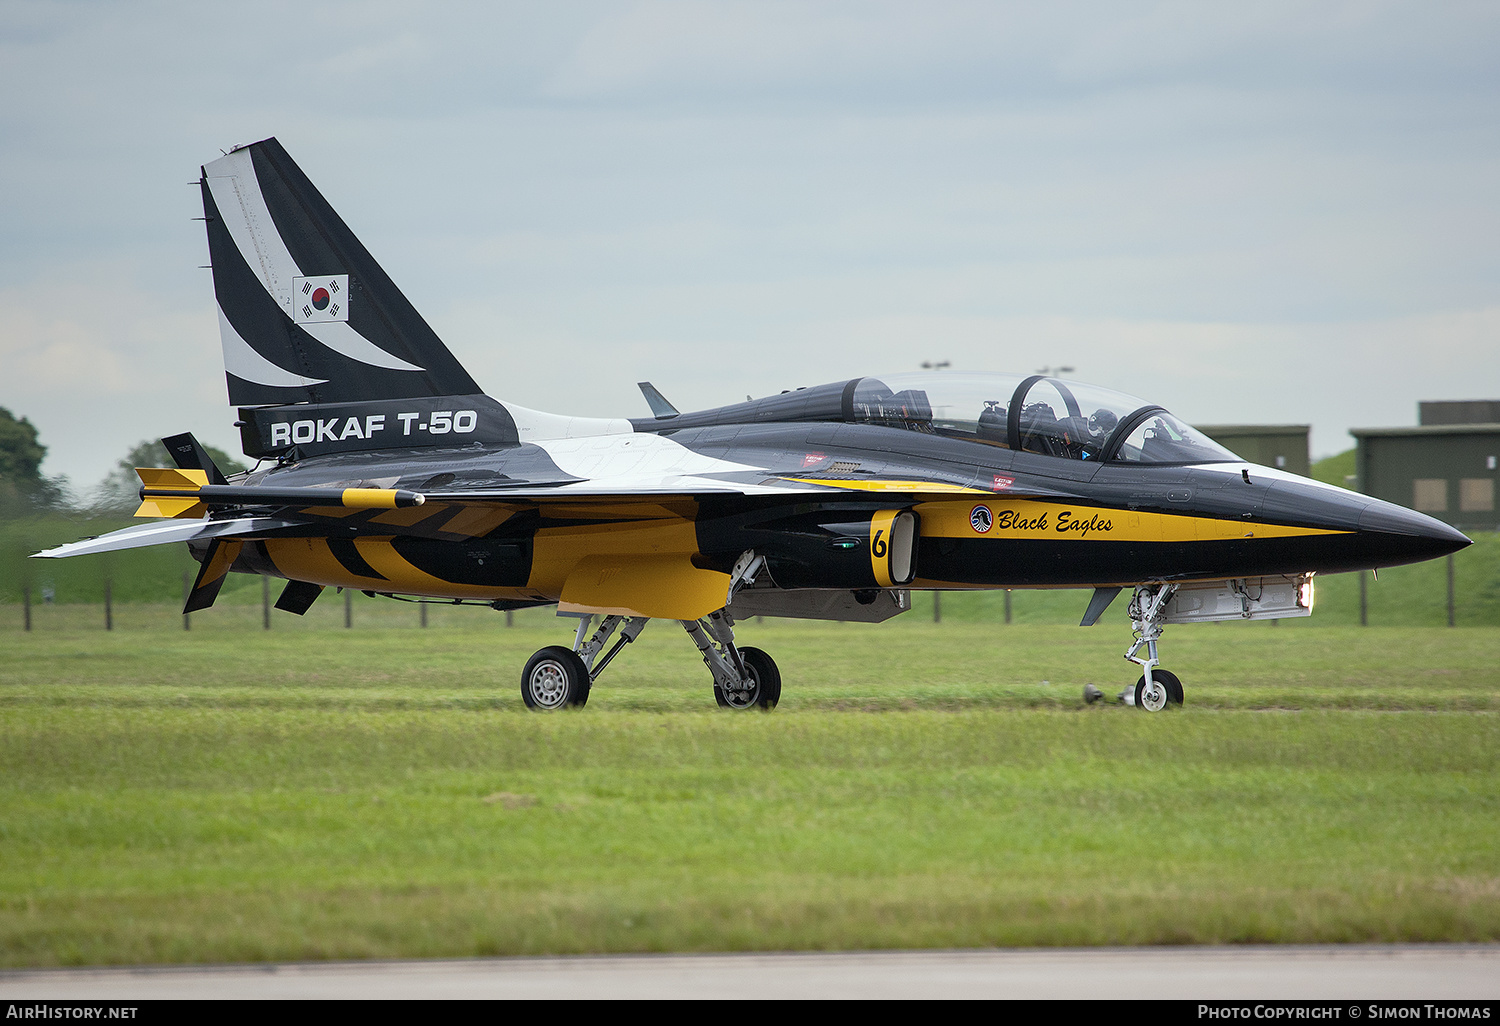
[(1063, 521)]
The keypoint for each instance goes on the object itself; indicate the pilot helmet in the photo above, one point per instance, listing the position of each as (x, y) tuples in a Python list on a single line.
[(1102, 422)]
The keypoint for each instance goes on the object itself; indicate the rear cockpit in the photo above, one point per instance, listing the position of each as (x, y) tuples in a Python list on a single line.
[(1049, 416)]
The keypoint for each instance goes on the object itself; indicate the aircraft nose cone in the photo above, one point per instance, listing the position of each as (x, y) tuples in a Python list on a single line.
[(1407, 535)]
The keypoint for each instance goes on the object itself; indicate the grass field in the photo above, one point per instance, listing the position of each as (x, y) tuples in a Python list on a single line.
[(310, 792)]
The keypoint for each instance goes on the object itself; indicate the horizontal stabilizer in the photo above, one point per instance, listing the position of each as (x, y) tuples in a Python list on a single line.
[(142, 535)]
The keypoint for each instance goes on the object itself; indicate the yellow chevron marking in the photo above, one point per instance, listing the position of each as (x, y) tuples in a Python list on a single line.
[(1064, 521), (331, 512), (889, 486), (310, 559), (475, 521), (407, 517), (224, 557)]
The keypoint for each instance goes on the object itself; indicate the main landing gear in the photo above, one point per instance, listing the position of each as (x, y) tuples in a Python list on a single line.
[(744, 678), (1157, 688)]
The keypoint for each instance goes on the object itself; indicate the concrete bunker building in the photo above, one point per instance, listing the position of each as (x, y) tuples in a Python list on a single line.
[(1445, 467)]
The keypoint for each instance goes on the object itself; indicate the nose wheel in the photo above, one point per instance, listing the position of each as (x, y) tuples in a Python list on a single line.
[(1162, 690), (1157, 688)]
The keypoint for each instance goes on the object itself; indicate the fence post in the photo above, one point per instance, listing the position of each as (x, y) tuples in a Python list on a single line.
[(265, 603), (348, 608), (423, 606), (937, 607), (109, 610), (510, 618), (1364, 605), (1007, 605), (26, 603), (187, 593)]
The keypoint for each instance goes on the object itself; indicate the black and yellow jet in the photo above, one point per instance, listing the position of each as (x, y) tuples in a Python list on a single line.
[(384, 468)]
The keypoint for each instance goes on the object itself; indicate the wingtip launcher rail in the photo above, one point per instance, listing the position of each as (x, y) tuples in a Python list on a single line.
[(190, 494)]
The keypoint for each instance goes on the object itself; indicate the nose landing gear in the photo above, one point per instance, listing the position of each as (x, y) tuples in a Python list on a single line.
[(1157, 688)]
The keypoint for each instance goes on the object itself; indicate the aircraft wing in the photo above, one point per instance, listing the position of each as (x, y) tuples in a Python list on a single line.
[(687, 486), (184, 500), (143, 535)]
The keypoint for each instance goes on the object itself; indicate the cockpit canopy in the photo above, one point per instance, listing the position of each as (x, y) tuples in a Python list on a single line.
[(1038, 414)]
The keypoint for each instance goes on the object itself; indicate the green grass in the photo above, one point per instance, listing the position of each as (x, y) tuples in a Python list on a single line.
[(1335, 470), (310, 792)]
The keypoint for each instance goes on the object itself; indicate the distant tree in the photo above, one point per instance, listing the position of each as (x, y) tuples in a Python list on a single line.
[(20, 452), (22, 487), (121, 489)]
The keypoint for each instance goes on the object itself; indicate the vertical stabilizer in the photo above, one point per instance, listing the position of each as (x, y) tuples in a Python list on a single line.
[(305, 313)]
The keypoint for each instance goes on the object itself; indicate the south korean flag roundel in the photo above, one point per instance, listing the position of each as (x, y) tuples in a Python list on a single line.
[(315, 300)]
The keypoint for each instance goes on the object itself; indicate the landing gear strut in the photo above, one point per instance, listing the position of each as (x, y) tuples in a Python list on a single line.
[(560, 678), (1157, 687), (744, 678)]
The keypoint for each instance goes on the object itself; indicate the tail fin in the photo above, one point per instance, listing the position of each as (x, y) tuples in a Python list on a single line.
[(305, 313)]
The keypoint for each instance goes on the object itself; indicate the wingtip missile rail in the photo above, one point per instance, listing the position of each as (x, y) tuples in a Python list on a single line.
[(187, 494)]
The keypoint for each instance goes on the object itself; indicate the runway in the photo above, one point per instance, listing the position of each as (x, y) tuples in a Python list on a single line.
[(1449, 972)]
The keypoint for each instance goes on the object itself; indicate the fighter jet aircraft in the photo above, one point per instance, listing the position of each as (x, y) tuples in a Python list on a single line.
[(385, 468)]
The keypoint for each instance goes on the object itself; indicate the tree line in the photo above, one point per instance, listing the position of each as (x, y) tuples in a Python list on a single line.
[(25, 490)]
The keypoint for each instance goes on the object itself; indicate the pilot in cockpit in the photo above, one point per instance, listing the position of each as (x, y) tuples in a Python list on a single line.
[(1101, 425)]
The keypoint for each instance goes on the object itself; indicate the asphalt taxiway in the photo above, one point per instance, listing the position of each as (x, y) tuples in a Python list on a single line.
[(1339, 973)]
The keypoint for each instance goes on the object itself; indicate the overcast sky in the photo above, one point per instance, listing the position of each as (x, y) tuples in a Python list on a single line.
[(1267, 212)]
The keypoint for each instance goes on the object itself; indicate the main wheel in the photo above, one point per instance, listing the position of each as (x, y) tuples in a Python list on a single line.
[(1174, 686), (765, 689), (554, 678), (1153, 698)]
